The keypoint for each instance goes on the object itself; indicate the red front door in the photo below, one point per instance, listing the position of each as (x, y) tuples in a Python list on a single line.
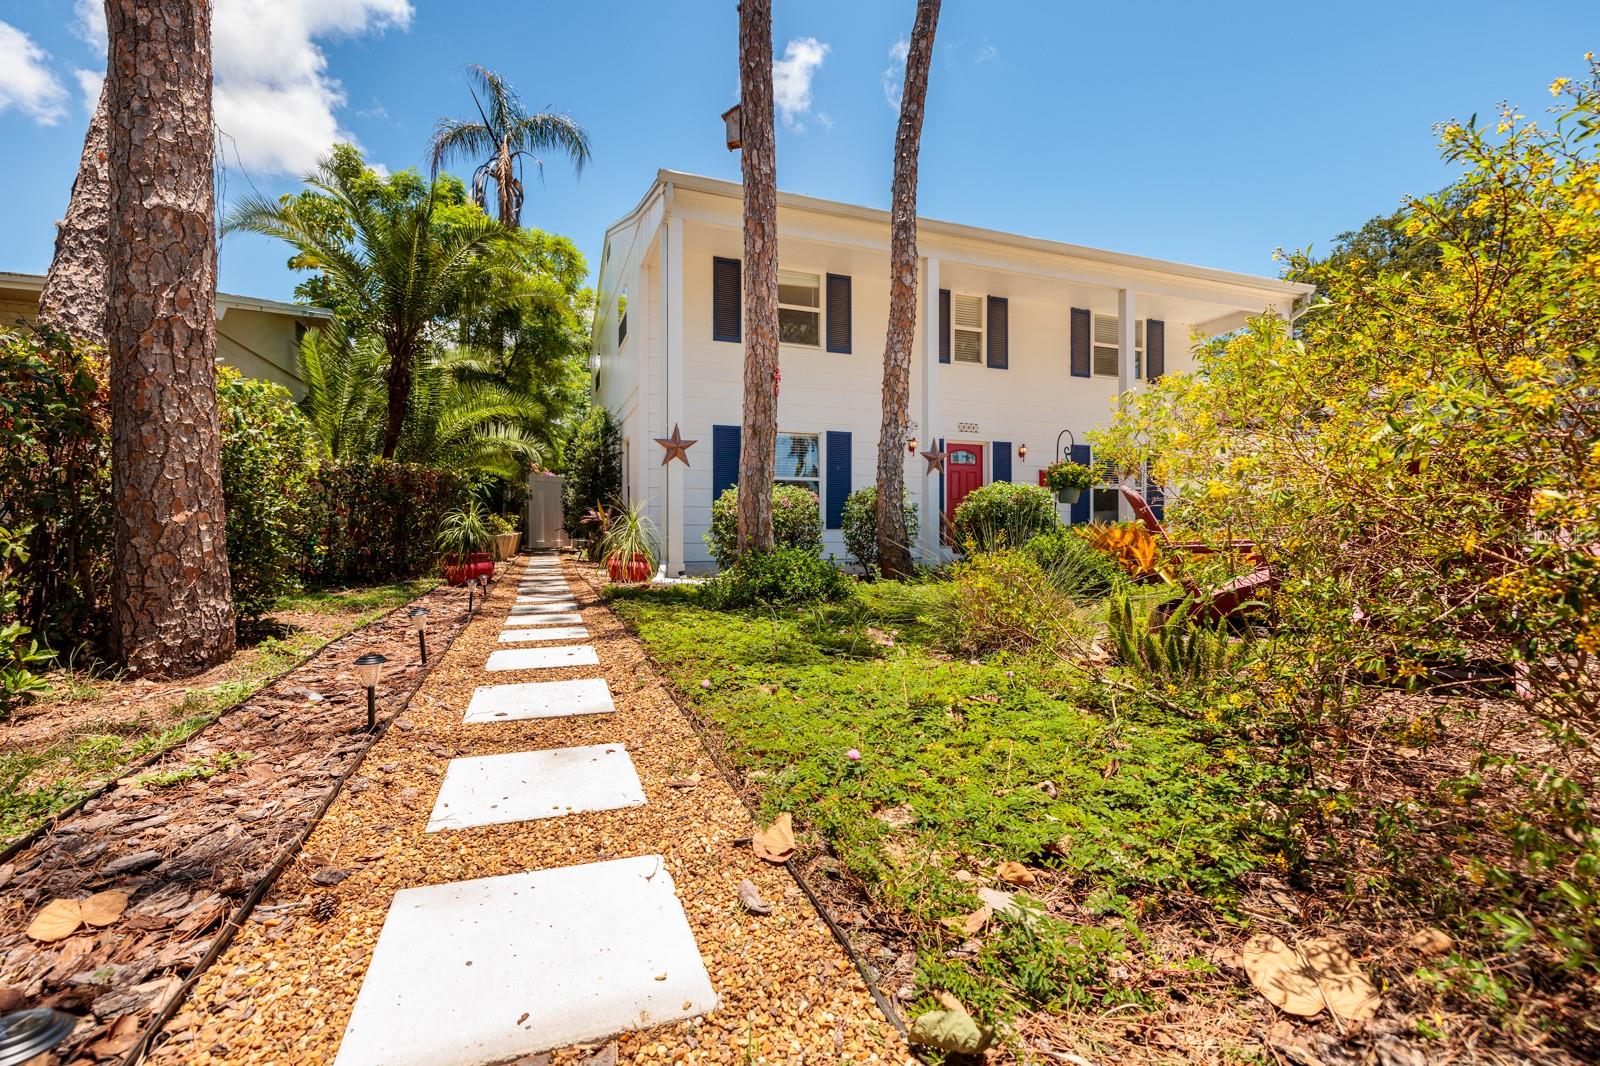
[(963, 466)]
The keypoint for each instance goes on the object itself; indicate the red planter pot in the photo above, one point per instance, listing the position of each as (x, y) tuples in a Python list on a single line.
[(478, 564), (635, 569)]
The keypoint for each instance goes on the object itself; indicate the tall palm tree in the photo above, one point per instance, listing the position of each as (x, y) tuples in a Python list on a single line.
[(172, 603), (388, 256), (502, 136), (757, 463), (894, 553)]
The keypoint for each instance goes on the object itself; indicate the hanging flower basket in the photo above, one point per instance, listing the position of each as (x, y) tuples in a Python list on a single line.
[(1068, 479)]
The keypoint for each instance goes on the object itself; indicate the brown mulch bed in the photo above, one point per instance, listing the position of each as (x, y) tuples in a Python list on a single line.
[(189, 854), (283, 991)]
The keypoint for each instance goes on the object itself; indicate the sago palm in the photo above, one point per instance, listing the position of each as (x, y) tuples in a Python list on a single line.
[(344, 398), (391, 257), (502, 136)]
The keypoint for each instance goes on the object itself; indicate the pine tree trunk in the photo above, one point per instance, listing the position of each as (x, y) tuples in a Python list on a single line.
[(74, 296), (894, 551), (172, 612), (757, 461)]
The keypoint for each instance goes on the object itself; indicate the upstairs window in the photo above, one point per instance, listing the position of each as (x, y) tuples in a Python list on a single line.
[(800, 308), (1105, 346), (966, 320)]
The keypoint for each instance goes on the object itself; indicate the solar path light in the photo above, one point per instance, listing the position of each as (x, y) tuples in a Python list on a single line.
[(368, 668)]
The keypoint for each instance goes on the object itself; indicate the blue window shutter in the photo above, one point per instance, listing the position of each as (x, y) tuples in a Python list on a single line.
[(1001, 463), (727, 300), (944, 325), (1082, 323), (1083, 510), (836, 478), (724, 459), (999, 333), (839, 313), (1155, 347)]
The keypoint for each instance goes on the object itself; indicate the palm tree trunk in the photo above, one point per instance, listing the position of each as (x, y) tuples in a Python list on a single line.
[(505, 177), (172, 612), (894, 553), (401, 359), (74, 295), (757, 463)]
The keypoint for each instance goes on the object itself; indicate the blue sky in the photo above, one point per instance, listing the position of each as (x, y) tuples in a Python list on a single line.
[(1205, 133)]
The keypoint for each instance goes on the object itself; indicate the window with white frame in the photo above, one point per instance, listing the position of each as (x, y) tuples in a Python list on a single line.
[(800, 461), (966, 328), (1105, 346), (800, 308)]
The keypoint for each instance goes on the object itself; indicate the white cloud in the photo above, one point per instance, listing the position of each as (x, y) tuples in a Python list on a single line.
[(91, 24), (25, 82), (894, 75), (89, 82), (986, 53), (274, 96), (791, 78)]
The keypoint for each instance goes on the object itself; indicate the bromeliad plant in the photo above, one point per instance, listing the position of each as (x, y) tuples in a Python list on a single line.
[(1068, 479), (629, 545)]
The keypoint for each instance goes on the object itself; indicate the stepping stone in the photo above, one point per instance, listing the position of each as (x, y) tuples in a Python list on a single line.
[(562, 618), (533, 633), (542, 658), (543, 608), (498, 967), (528, 785), (539, 699), (544, 598)]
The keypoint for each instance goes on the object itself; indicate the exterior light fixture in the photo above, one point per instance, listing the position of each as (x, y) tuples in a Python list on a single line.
[(911, 446), (368, 667), (730, 123), (1022, 451), (419, 622), (27, 1034)]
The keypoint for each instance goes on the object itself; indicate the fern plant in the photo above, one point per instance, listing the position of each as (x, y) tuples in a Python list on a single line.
[(1176, 649)]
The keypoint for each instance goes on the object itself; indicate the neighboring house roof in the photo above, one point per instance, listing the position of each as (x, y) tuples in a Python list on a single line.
[(226, 301)]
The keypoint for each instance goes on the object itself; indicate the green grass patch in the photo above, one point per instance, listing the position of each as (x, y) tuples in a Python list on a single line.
[(201, 769), (1025, 759)]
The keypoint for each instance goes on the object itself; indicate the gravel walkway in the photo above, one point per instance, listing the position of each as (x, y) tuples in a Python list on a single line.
[(284, 991)]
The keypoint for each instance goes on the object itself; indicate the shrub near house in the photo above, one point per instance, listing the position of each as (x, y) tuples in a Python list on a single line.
[(796, 522)]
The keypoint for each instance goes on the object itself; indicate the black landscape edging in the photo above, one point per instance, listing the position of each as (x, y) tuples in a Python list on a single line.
[(237, 920), (731, 777)]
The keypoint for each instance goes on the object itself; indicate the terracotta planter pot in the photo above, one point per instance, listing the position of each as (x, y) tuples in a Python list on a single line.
[(478, 564), (632, 570), (505, 545)]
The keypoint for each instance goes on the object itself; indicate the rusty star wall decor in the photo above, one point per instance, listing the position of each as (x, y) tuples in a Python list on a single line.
[(935, 462), (676, 446)]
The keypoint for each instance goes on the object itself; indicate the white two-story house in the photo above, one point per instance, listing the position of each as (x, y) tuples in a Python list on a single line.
[(1022, 346)]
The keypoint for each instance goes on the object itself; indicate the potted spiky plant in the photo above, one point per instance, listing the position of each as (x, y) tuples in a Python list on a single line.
[(1068, 479), (463, 539), (629, 544)]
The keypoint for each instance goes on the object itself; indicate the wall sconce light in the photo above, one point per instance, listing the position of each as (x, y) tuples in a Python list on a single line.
[(368, 668), (1022, 451), (419, 622), (911, 446), (27, 1034)]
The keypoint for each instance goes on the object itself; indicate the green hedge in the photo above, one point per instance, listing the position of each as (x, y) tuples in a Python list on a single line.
[(1003, 514), (861, 526), (374, 521)]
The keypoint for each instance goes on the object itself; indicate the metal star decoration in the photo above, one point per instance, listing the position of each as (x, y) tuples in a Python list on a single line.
[(935, 462), (676, 446)]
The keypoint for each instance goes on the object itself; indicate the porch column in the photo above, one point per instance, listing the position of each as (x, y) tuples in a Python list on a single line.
[(1127, 368), (672, 315), (925, 490)]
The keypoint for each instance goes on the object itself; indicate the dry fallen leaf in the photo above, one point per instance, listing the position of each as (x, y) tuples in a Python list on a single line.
[(970, 924), (1431, 942), (1303, 980), (750, 896), (59, 919), (685, 782), (951, 1029), (103, 908), (1015, 873), (775, 843)]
